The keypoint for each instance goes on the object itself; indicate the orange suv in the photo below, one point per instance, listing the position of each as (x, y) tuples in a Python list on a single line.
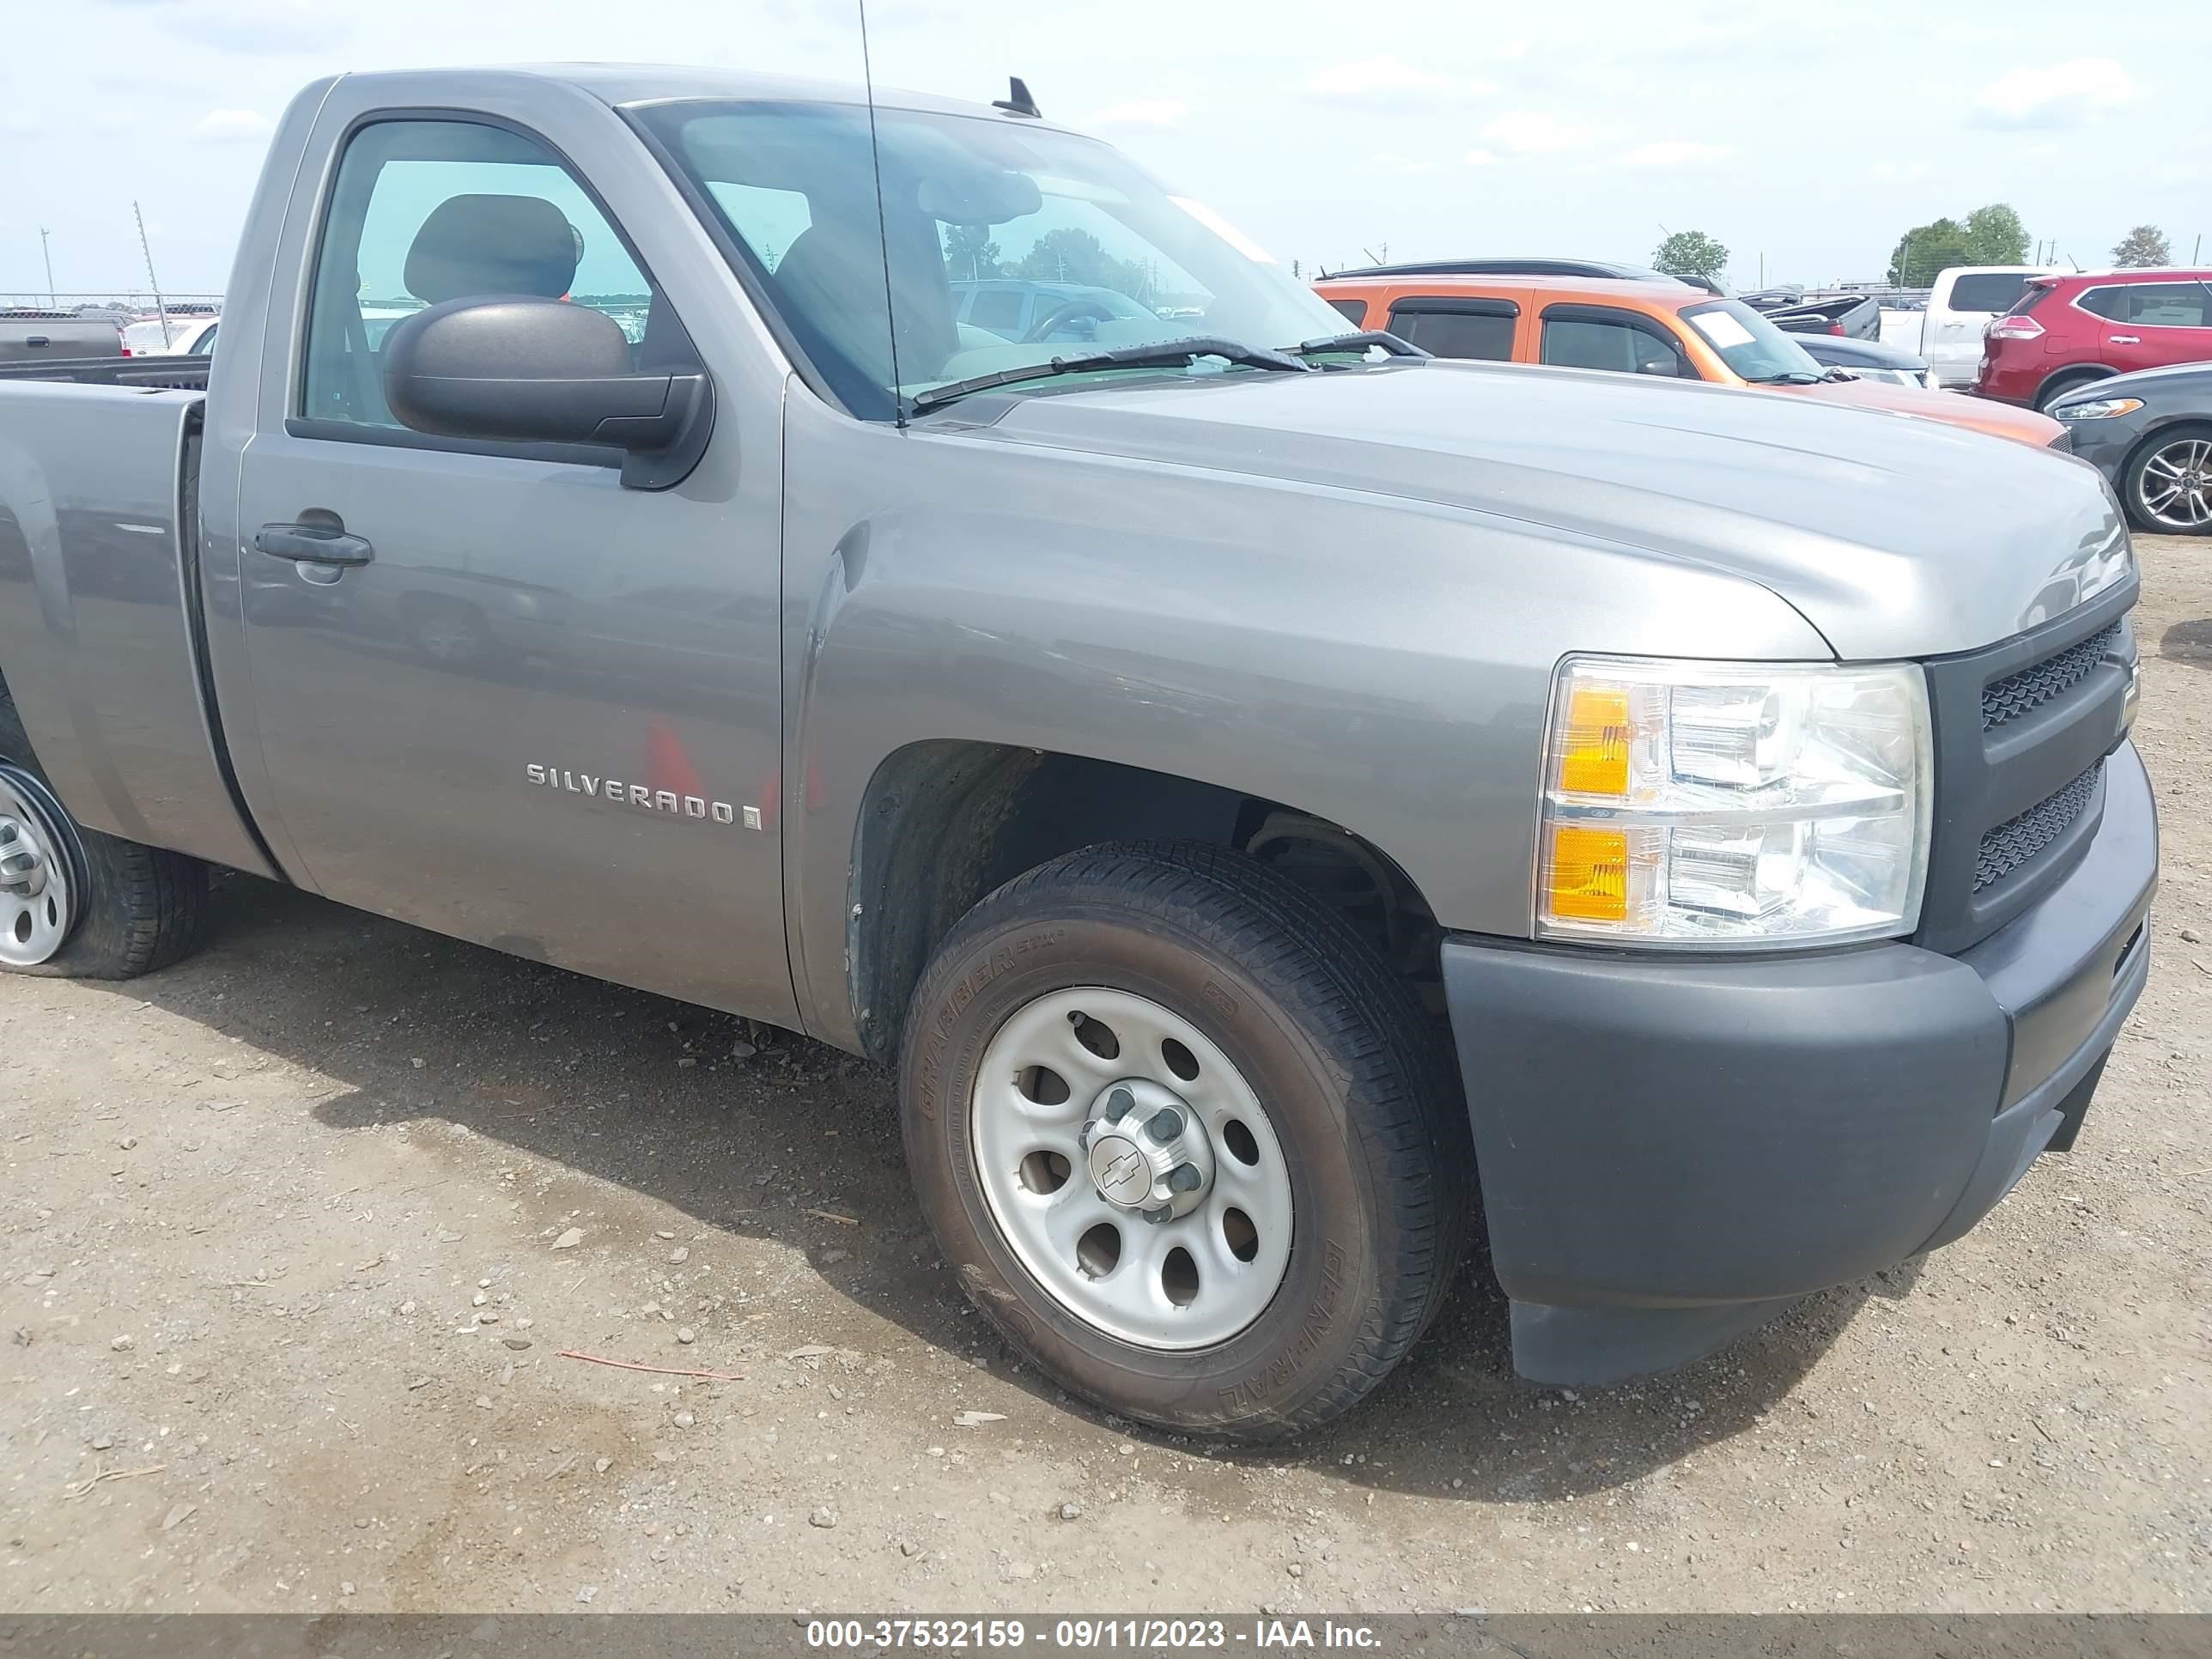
[(1655, 327)]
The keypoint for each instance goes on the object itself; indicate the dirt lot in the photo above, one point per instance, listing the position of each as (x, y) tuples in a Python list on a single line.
[(294, 1235)]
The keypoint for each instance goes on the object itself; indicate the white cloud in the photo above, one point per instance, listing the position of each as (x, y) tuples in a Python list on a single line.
[(1386, 80), (1675, 153), (1481, 158), (227, 125), (21, 124), (1887, 171), (261, 27), (1534, 132), (1142, 113), (1410, 165), (2055, 94)]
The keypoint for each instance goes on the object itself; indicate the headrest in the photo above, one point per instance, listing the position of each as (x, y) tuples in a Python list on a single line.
[(472, 245)]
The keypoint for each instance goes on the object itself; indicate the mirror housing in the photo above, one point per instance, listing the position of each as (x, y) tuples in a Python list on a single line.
[(526, 370)]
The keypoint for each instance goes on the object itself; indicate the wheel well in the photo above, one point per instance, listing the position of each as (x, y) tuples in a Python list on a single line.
[(2064, 380), (946, 823)]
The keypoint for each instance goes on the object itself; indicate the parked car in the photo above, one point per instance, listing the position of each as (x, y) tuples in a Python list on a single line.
[(2066, 331), (1964, 302), (1868, 360), (2149, 433), (1660, 329), (48, 336), (178, 336), (1190, 762)]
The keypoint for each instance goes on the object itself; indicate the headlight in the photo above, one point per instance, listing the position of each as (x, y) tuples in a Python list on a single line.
[(1728, 806), (2098, 409)]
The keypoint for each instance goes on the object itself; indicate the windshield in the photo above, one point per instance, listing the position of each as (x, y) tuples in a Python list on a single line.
[(1749, 344), (1005, 245)]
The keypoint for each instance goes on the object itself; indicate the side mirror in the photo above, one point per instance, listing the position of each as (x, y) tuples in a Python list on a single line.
[(536, 370)]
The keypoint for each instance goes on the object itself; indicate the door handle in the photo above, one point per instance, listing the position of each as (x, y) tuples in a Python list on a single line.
[(313, 544), (2124, 339)]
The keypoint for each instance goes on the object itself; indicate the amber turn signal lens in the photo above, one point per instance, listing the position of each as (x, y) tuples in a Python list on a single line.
[(1594, 749), (1587, 876)]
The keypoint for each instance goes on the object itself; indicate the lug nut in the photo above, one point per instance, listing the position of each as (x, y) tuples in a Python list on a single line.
[(1119, 1104), (1184, 1178), (1166, 1124), (1160, 1214)]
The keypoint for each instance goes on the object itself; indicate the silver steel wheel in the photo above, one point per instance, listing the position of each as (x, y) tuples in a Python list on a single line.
[(2174, 486), (1131, 1169), (38, 902)]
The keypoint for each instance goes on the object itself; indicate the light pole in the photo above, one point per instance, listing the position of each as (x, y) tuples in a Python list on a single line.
[(47, 254)]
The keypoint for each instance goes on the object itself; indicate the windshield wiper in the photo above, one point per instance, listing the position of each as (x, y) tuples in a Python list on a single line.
[(1167, 354), (1360, 342), (1786, 377)]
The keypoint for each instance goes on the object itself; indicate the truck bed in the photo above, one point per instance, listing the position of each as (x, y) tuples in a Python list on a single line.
[(163, 373), (101, 619)]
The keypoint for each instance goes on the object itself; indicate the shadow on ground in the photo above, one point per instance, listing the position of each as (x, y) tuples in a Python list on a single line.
[(2188, 641), (591, 1076)]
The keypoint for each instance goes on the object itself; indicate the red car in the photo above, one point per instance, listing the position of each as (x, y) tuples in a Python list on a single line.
[(2070, 330)]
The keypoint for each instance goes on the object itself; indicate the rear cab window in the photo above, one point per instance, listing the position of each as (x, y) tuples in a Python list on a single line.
[(1354, 310), (1991, 291)]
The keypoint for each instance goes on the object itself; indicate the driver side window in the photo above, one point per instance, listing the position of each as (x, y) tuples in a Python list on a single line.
[(426, 211)]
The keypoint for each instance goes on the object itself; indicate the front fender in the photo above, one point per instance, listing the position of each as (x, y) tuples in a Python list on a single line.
[(1380, 663)]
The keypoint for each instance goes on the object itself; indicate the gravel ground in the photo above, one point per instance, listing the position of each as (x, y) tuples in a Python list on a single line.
[(293, 1236)]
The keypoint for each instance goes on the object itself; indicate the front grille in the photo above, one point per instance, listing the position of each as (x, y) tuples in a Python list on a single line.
[(2009, 698), (2017, 840), (2063, 443), (2022, 729)]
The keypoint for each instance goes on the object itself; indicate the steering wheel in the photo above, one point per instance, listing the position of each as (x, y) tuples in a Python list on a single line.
[(1042, 328)]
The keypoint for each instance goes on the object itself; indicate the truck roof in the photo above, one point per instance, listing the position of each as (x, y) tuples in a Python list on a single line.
[(623, 84)]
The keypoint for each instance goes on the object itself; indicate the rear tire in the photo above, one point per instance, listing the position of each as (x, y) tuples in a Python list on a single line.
[(75, 904), (2065, 384), (1357, 1167)]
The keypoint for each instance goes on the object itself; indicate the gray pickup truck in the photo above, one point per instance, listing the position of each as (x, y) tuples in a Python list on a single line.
[(1289, 807)]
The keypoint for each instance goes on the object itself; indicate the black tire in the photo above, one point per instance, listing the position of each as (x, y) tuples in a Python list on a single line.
[(2065, 384), (1358, 1083), (141, 908), (2131, 480)]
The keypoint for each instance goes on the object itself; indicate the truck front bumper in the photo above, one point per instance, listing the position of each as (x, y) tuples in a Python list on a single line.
[(1672, 1151)]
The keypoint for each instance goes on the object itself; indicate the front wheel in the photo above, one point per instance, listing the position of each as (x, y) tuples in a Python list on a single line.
[(1188, 1143), (2168, 484)]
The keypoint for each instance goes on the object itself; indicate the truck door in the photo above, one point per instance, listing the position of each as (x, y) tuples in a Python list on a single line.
[(494, 692)]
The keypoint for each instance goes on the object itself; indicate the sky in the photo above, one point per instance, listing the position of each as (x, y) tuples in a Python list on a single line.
[(1805, 144)]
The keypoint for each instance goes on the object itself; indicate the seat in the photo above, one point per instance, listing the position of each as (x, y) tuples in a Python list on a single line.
[(473, 246)]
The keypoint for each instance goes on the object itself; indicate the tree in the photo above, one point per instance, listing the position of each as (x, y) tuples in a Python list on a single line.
[(969, 253), (1992, 236), (1068, 255), (1995, 235), (1927, 249), (2144, 246), (1690, 254)]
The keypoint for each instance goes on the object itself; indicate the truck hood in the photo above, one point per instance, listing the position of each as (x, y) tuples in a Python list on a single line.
[(1893, 536)]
